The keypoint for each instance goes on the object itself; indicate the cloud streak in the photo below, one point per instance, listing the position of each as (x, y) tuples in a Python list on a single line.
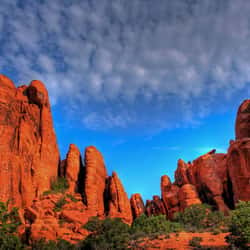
[(123, 64)]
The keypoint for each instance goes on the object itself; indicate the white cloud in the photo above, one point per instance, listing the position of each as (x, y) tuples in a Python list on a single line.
[(161, 64)]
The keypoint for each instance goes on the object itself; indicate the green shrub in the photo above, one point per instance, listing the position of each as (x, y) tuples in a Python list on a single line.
[(10, 242), (60, 185), (59, 204), (9, 222), (106, 234), (195, 242), (200, 218), (154, 225), (239, 227), (71, 197)]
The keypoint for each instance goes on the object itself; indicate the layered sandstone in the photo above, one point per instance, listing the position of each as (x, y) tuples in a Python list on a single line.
[(29, 155)]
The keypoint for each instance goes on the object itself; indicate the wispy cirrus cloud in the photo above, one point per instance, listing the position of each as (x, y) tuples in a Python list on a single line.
[(123, 64)]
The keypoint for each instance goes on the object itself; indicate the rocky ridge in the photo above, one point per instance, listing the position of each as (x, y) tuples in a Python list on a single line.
[(30, 162)]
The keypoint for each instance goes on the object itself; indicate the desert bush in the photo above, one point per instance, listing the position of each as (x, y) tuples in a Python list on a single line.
[(154, 225), (9, 222), (59, 204), (71, 197), (201, 218), (239, 226), (60, 185), (106, 234)]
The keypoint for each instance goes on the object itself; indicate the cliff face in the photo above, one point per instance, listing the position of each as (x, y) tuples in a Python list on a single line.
[(29, 162), (29, 155)]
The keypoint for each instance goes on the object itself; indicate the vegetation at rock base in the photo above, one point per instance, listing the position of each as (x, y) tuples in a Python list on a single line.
[(239, 226), (154, 225), (106, 234), (60, 185), (59, 204), (112, 233), (201, 218), (9, 222)]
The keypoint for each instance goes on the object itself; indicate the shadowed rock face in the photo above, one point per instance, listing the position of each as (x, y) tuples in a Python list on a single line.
[(137, 205), (29, 155), (242, 127), (238, 161), (119, 205), (155, 206), (238, 157)]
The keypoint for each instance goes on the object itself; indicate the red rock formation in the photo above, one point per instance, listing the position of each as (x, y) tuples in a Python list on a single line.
[(155, 206), (73, 164), (238, 157), (169, 194), (137, 205), (188, 196), (181, 177), (45, 220), (209, 171), (119, 205), (95, 181), (242, 126), (29, 154), (238, 161)]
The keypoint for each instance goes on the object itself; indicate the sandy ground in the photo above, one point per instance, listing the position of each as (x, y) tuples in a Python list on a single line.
[(181, 241)]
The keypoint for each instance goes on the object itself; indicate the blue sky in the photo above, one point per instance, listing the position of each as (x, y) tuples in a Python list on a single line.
[(147, 82)]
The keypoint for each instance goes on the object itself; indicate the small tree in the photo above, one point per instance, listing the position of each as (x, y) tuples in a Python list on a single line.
[(9, 222), (200, 217), (106, 234), (154, 224), (239, 227)]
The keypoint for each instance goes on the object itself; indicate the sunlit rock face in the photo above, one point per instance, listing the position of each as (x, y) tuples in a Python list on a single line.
[(119, 204), (29, 155), (95, 181), (73, 166), (188, 196)]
